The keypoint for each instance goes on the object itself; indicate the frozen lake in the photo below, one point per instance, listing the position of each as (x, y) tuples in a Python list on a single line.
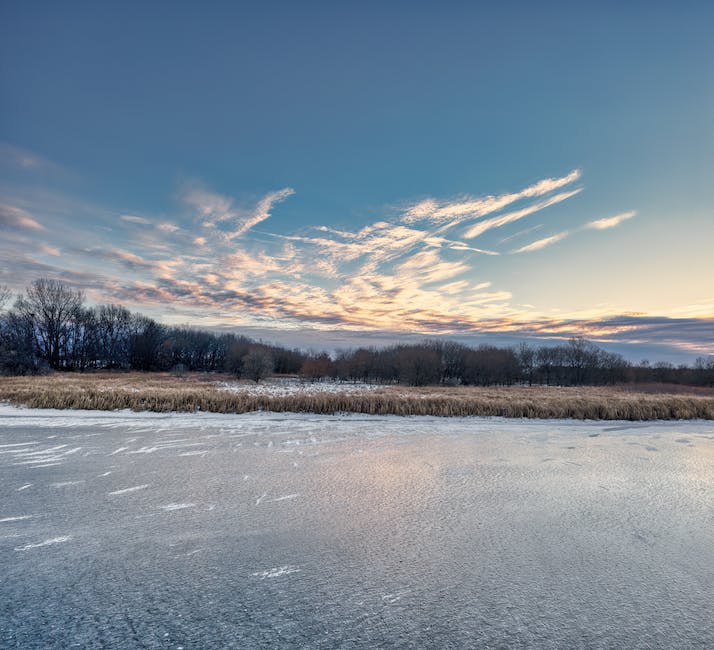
[(153, 530)]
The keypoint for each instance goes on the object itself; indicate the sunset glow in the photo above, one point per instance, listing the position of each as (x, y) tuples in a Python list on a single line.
[(366, 193)]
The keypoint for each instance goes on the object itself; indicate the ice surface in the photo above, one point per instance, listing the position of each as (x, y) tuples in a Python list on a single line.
[(301, 531), (169, 507), (130, 489), (47, 542), (277, 572)]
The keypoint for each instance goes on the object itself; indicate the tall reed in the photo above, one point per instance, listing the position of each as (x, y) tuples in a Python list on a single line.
[(200, 393)]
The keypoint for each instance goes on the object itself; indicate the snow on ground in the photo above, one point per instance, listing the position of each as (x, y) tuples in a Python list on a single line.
[(281, 387)]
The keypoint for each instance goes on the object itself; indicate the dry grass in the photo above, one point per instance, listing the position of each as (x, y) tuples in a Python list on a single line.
[(162, 392)]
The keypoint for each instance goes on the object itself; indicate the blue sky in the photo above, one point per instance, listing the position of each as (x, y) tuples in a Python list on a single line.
[(531, 170)]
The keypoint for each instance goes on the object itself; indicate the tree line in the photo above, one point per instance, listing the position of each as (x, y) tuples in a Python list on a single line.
[(50, 327), (575, 363)]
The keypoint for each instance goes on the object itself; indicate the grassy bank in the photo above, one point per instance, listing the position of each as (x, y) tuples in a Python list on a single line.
[(160, 392)]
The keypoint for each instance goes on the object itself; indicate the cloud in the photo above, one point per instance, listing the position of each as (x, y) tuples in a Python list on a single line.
[(211, 207), (453, 288), (398, 271), (428, 267), (131, 218), (262, 211), (472, 207), (542, 243), (14, 217), (654, 338), (50, 250), (215, 209), (18, 269), (160, 268), (611, 222), (496, 222)]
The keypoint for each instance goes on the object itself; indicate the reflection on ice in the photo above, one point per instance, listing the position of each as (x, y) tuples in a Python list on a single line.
[(388, 532)]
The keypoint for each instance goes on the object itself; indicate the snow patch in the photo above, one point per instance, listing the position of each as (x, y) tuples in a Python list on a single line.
[(284, 387)]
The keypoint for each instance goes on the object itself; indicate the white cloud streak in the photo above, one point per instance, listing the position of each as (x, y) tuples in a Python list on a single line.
[(214, 209), (472, 207), (496, 222), (262, 211), (131, 218), (542, 243), (611, 222)]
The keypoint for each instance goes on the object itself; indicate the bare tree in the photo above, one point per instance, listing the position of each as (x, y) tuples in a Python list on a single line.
[(52, 307), (145, 342), (257, 364), (17, 354), (114, 325), (418, 365), (316, 367), (526, 360)]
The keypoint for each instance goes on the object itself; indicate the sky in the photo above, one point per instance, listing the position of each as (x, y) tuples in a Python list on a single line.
[(334, 174)]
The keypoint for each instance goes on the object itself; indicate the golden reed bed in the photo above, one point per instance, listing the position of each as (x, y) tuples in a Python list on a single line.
[(162, 392)]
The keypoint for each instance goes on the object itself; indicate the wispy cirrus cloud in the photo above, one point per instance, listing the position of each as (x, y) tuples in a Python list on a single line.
[(542, 243), (611, 222), (209, 263), (262, 211), (453, 212), (496, 222), (600, 224), (215, 209)]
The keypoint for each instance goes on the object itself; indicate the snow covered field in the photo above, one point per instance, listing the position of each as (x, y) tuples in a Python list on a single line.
[(283, 387), (122, 529)]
